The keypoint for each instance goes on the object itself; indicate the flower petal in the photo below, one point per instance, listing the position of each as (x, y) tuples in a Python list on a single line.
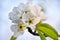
[(22, 6), (28, 15), (17, 21), (15, 14), (16, 34), (37, 20), (17, 11), (42, 16), (37, 10), (14, 28)]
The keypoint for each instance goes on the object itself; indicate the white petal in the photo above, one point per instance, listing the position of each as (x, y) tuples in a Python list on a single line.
[(14, 21), (13, 16), (16, 34), (37, 20), (17, 11), (28, 15), (17, 21), (14, 28), (22, 6), (42, 16), (37, 10)]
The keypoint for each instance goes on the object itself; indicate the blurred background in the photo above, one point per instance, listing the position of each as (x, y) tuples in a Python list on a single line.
[(52, 11)]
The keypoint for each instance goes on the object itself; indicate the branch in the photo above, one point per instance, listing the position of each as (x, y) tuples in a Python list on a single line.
[(34, 33), (30, 31)]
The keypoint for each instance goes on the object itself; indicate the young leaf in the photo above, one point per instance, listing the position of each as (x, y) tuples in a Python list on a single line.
[(50, 27), (13, 38), (42, 37), (48, 32)]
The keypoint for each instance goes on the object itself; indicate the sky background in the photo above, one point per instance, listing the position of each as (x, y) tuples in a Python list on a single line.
[(52, 11)]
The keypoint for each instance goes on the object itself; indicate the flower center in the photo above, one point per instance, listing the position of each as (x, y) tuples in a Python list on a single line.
[(21, 27), (29, 21)]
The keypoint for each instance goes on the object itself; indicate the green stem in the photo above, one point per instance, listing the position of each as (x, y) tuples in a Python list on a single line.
[(13, 38)]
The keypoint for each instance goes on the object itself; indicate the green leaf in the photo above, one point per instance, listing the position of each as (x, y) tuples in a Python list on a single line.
[(13, 38), (50, 27), (48, 32), (42, 37)]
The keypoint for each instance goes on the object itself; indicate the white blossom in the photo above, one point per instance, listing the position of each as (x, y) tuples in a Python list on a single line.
[(33, 15), (18, 29), (25, 15)]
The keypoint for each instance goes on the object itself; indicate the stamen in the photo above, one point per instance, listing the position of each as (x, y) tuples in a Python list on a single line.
[(30, 21), (21, 17), (20, 27), (26, 11)]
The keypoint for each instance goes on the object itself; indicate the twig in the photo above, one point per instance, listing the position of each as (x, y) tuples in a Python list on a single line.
[(34, 33)]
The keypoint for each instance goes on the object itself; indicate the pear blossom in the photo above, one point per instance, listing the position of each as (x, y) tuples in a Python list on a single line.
[(18, 29), (17, 12), (33, 15), (25, 15)]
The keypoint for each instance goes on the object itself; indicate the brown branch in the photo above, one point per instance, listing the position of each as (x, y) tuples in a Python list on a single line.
[(58, 35), (34, 33)]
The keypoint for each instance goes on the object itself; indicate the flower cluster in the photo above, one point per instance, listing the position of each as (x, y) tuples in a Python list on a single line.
[(25, 15)]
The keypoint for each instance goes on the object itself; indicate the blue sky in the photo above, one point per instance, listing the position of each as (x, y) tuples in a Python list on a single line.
[(52, 8)]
